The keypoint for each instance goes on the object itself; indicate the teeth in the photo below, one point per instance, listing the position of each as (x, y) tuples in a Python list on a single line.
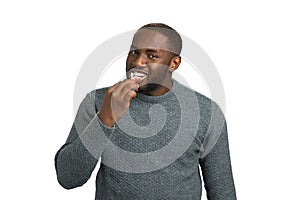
[(137, 74)]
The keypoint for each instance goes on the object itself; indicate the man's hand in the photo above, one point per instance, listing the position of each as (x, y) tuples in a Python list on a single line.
[(116, 101)]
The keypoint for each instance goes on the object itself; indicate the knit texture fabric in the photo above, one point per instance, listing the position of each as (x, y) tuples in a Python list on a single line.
[(150, 124)]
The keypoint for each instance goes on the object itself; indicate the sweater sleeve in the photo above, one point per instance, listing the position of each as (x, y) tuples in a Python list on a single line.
[(215, 160), (77, 158)]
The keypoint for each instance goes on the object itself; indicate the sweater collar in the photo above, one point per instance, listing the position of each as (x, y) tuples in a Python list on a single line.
[(160, 98)]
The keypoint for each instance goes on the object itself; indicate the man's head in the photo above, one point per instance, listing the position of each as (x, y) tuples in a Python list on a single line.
[(155, 52)]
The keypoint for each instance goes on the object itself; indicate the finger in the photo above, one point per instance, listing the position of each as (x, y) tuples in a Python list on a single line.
[(113, 87), (129, 87), (130, 95), (124, 86), (120, 85)]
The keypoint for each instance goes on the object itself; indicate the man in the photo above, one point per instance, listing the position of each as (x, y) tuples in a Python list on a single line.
[(133, 124)]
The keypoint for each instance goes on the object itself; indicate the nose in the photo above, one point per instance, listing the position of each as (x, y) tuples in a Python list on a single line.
[(140, 60)]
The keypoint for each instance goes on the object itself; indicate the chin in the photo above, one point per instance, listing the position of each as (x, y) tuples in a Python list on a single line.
[(148, 87)]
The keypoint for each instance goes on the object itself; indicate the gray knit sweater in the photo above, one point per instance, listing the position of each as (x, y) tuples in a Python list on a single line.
[(153, 152)]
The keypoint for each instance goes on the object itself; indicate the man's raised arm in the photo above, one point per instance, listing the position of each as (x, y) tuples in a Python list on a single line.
[(77, 158)]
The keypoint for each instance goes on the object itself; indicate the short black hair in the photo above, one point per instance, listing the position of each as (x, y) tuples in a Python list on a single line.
[(174, 37)]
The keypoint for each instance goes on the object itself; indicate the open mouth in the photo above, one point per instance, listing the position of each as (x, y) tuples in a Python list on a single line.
[(136, 75)]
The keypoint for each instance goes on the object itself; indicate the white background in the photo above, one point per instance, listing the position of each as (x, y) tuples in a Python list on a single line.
[(255, 46)]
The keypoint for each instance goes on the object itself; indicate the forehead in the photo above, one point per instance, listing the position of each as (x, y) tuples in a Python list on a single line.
[(149, 39)]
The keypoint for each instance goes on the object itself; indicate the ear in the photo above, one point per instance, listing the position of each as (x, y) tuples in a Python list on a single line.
[(175, 62)]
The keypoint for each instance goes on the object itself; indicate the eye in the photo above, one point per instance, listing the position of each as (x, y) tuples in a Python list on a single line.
[(152, 56), (133, 52)]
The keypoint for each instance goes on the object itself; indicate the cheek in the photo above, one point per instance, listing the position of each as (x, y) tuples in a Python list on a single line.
[(158, 71), (129, 61)]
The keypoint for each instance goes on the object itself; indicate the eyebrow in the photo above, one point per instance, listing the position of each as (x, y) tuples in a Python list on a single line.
[(148, 50), (152, 50)]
